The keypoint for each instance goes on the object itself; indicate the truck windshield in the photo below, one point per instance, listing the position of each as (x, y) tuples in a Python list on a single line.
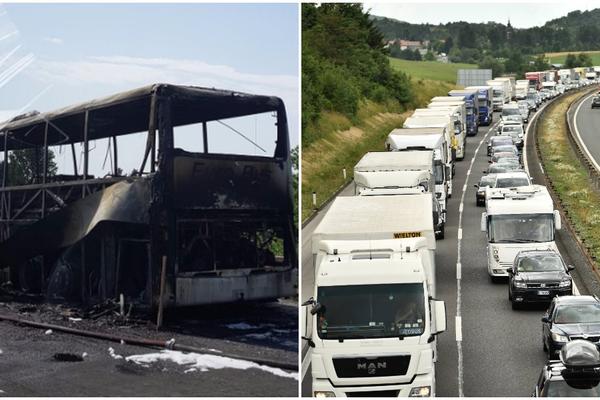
[(521, 228), (498, 93), (511, 111), (438, 172), (371, 311), (512, 182)]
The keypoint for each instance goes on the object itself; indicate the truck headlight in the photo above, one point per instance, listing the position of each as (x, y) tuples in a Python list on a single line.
[(558, 338), (520, 284), (565, 284), (322, 394), (420, 391), (496, 256)]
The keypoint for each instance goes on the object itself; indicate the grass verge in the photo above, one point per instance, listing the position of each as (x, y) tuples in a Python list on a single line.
[(559, 58), (343, 142), (569, 176), (432, 70)]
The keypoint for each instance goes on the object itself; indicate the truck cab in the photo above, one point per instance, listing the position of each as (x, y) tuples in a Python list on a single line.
[(471, 99), (517, 219), (374, 283), (426, 139), (485, 95)]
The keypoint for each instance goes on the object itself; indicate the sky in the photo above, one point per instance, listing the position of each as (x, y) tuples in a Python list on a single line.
[(55, 55), (521, 14)]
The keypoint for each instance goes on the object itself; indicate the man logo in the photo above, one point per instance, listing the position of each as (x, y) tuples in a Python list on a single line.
[(372, 367), (543, 285)]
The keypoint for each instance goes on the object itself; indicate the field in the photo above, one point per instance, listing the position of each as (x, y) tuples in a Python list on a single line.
[(430, 69), (559, 58)]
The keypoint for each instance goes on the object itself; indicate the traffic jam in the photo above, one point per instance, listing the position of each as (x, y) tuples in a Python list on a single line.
[(375, 270)]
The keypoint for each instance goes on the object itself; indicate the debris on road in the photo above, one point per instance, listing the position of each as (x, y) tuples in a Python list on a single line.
[(75, 319), (48, 332), (205, 362), (112, 353)]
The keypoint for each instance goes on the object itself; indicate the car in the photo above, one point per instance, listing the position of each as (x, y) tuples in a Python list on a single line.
[(505, 148), (512, 179), (569, 318), (498, 141), (576, 374), (505, 156), (524, 109), (497, 168), (515, 131), (596, 101), (537, 276), (485, 181)]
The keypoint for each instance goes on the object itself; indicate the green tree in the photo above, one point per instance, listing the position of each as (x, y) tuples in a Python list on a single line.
[(429, 56), (448, 44), (570, 61), (490, 62), (541, 63), (27, 166), (584, 60)]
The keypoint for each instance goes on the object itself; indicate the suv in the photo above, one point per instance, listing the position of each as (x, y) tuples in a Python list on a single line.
[(577, 374), (569, 318), (537, 276), (596, 101)]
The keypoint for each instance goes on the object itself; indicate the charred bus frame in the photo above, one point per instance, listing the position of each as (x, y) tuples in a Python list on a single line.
[(214, 218)]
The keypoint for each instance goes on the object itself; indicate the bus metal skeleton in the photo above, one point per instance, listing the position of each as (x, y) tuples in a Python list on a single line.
[(222, 223)]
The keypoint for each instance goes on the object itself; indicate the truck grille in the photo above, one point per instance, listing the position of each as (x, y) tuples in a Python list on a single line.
[(361, 367), (380, 393)]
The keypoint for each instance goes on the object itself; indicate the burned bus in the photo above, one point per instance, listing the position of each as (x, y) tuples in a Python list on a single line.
[(199, 223)]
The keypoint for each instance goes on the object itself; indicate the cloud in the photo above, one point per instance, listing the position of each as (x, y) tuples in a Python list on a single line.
[(53, 40)]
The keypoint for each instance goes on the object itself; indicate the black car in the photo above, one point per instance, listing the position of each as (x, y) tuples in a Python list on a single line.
[(485, 181), (537, 276), (569, 318), (577, 374), (596, 102), (497, 168)]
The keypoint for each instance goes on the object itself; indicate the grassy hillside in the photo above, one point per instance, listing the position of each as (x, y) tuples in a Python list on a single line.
[(343, 142), (560, 57), (432, 70)]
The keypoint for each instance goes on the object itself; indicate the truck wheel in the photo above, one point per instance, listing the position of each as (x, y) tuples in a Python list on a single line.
[(442, 232), (509, 296), (545, 348), (515, 306)]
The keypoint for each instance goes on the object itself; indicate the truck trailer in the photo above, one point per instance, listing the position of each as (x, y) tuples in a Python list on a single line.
[(485, 96)]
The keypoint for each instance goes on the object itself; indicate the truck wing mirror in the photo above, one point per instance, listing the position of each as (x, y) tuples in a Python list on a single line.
[(309, 302), (310, 342), (483, 222), (304, 326), (438, 308), (557, 221), (545, 319), (476, 186), (570, 267)]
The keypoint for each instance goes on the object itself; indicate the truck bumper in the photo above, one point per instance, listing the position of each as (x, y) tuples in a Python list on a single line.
[(235, 286), (400, 390)]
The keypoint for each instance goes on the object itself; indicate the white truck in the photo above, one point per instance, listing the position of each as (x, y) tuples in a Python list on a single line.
[(446, 123), (517, 219), (500, 92), (374, 320), (457, 112), (384, 173), (521, 89), (424, 139)]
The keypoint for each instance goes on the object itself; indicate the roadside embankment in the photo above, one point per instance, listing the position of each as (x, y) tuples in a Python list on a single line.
[(343, 142), (569, 179)]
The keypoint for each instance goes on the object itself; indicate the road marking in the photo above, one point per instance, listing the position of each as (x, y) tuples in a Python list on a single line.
[(469, 172), (458, 324), (458, 317)]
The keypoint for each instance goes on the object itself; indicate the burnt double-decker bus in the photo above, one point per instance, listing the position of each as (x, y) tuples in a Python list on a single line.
[(196, 222)]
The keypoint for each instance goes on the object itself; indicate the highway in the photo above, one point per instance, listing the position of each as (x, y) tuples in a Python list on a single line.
[(587, 121), (495, 351)]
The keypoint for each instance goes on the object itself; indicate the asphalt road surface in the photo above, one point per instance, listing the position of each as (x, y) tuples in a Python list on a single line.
[(587, 122), (500, 349), (269, 331)]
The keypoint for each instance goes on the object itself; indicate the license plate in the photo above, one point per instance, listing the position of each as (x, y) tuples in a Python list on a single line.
[(543, 292)]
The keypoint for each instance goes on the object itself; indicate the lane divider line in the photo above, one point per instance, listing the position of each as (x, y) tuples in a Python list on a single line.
[(458, 317)]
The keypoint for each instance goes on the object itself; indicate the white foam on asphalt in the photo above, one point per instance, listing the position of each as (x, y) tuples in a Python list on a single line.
[(241, 326), (205, 362), (112, 353), (48, 332)]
